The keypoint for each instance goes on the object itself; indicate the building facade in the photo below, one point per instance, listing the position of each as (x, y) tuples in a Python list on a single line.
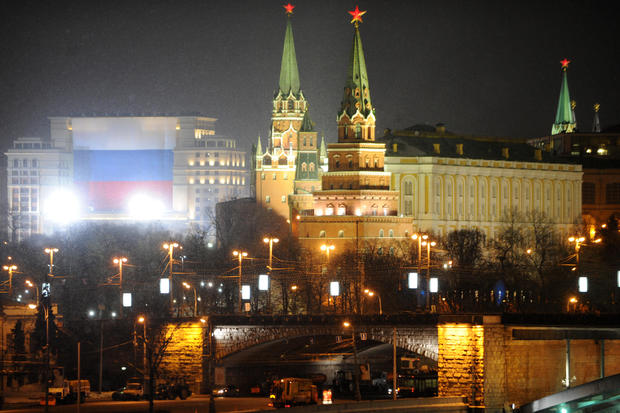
[(172, 169)]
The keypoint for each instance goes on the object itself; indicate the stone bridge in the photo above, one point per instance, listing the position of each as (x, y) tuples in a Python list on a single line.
[(491, 360)]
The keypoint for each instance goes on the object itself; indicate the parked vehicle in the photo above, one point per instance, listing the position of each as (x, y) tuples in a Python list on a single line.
[(132, 391), (67, 391), (168, 391), (293, 391), (229, 390)]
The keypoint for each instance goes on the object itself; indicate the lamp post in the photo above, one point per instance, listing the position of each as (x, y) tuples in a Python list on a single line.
[(419, 238), (240, 255), (170, 246), (270, 241), (188, 286), (356, 370), (51, 252), (428, 244), (327, 249), (10, 269), (371, 293), (142, 320), (578, 241), (120, 261), (36, 287)]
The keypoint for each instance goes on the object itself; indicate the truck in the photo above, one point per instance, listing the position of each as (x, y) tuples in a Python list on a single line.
[(293, 391), (67, 391)]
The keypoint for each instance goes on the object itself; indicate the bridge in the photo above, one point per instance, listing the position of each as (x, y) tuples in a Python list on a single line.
[(491, 360)]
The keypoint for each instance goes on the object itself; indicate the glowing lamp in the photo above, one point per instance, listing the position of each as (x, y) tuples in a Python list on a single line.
[(334, 288), (245, 292), (164, 286), (126, 299), (263, 282), (412, 280), (62, 207), (433, 285), (583, 284), (144, 207)]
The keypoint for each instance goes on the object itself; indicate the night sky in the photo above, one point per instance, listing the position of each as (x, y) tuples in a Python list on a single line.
[(480, 67)]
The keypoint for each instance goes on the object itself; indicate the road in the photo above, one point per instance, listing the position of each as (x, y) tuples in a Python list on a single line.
[(191, 405)]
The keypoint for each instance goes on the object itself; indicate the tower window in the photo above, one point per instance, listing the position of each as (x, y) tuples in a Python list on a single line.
[(358, 131)]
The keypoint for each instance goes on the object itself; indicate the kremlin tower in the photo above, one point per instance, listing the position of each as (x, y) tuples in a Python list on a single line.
[(565, 116)]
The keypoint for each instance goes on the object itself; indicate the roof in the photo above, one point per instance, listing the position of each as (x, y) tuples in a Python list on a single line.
[(289, 73), (491, 149), (356, 91), (564, 119), (306, 124)]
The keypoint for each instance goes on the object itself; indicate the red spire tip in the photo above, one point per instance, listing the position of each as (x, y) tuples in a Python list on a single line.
[(357, 15), (289, 8), (565, 63)]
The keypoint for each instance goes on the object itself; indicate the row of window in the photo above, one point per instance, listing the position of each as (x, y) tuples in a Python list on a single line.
[(25, 163), (35, 145), (322, 233), (612, 193), (235, 180), (268, 199)]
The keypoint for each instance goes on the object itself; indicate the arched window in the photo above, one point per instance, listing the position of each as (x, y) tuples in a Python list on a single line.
[(329, 210), (385, 209), (304, 167), (341, 234), (391, 233), (322, 234), (311, 167), (376, 162), (291, 104), (350, 161), (374, 209), (267, 160), (342, 210), (336, 161), (367, 161), (283, 160), (358, 131), (380, 251), (381, 233), (392, 250)]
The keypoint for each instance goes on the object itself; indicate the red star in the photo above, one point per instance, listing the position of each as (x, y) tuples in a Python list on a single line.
[(357, 15), (289, 8), (565, 63)]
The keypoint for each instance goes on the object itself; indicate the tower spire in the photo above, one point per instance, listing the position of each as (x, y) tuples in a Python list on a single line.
[(356, 120), (289, 73), (259, 148), (564, 119), (596, 124)]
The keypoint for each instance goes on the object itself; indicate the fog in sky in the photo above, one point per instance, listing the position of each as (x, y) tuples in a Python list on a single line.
[(480, 67)]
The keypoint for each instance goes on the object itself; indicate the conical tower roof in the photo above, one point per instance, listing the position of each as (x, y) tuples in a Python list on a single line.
[(306, 123), (596, 123), (356, 90), (564, 119), (259, 148), (289, 73)]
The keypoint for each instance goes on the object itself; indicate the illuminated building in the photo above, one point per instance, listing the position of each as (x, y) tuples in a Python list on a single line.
[(291, 162), (172, 169)]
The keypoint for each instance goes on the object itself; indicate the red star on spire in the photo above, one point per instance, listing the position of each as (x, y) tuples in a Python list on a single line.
[(289, 8), (357, 15), (565, 63)]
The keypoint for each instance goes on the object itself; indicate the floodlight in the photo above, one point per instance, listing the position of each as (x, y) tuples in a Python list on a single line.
[(413, 280), (434, 285), (263, 282), (164, 286), (144, 207), (245, 292), (62, 206), (334, 288), (126, 299), (583, 284)]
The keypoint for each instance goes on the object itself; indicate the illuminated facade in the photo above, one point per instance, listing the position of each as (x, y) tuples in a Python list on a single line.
[(172, 169)]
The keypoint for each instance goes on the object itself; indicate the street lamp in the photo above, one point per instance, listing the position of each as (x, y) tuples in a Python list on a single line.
[(371, 293), (170, 246), (358, 395), (142, 320), (51, 252), (31, 285), (188, 286), (428, 244), (120, 261), (270, 241), (419, 238), (240, 255), (327, 249), (10, 269), (578, 241)]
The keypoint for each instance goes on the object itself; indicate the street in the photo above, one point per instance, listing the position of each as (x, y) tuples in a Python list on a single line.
[(191, 405)]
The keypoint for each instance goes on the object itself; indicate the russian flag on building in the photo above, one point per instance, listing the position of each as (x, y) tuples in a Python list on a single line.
[(117, 160)]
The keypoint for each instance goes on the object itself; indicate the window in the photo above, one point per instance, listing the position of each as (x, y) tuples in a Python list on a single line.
[(267, 199), (391, 233), (282, 160), (381, 233), (341, 234), (274, 176), (322, 234), (392, 250), (358, 131), (262, 176), (329, 210), (284, 199), (588, 193), (612, 193), (304, 167), (311, 167), (342, 210)]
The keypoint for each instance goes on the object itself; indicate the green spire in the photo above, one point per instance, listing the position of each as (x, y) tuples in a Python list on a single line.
[(356, 90), (259, 148), (323, 150), (289, 74), (564, 119), (306, 124)]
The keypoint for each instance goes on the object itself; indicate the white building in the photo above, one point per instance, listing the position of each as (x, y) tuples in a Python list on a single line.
[(172, 169)]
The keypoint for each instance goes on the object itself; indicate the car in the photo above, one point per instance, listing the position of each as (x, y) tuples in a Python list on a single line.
[(229, 390), (133, 391)]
